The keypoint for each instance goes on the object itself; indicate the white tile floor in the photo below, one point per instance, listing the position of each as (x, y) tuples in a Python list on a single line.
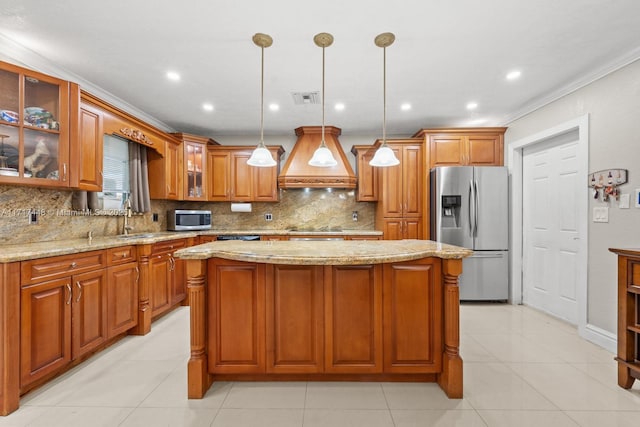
[(521, 368)]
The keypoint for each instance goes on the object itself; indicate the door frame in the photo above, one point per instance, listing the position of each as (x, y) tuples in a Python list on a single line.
[(514, 156)]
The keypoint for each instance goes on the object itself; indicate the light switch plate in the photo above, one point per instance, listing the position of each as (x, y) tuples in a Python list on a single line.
[(624, 201), (601, 214)]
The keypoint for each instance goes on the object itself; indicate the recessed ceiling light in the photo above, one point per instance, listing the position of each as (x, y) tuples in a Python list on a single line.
[(339, 106), (173, 76), (207, 106), (405, 107), (477, 122), (513, 75), (472, 105), (274, 107)]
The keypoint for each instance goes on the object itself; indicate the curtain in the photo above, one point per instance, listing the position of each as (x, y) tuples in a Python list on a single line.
[(84, 200), (139, 178)]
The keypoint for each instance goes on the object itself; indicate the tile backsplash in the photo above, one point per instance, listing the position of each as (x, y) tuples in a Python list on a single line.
[(312, 208)]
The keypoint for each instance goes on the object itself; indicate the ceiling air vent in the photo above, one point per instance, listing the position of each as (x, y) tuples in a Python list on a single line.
[(306, 98)]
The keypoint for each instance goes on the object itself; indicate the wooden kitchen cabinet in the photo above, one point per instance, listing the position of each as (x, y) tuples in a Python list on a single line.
[(353, 319), (412, 317), (63, 312), (294, 319), (165, 172), (162, 281), (401, 202), (123, 276), (368, 176), (194, 165), (237, 307), (231, 179), (464, 146), (87, 153), (35, 125)]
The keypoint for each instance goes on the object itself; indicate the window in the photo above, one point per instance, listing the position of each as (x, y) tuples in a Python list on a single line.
[(115, 169)]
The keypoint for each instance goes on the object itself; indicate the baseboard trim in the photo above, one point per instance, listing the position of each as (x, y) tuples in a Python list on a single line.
[(601, 337)]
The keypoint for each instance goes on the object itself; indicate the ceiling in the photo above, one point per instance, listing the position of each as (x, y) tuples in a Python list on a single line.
[(447, 53)]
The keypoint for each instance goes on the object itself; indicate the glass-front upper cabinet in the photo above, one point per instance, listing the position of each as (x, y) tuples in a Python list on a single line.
[(195, 171), (193, 175), (34, 128)]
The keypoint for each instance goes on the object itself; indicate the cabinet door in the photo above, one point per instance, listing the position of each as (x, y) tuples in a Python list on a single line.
[(412, 228), (194, 171), (392, 229), (237, 317), (89, 311), (178, 280), (122, 298), (86, 154), (172, 171), (353, 319), (265, 184), (367, 190), (447, 150), (160, 283), (412, 317), (294, 306), (36, 127), (412, 190), (241, 177), (45, 329), (485, 150), (219, 185), (391, 191)]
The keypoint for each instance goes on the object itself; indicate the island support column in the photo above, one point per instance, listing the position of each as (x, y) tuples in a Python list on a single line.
[(450, 380), (198, 376)]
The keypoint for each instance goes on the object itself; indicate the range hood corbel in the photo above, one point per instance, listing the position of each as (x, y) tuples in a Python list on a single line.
[(297, 173)]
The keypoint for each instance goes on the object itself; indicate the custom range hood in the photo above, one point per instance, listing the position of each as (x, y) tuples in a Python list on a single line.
[(297, 173)]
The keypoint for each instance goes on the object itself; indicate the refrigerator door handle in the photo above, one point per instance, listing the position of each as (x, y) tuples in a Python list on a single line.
[(476, 197), (471, 208)]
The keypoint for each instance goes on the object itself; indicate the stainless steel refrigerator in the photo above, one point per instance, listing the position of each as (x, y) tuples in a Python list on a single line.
[(470, 208)]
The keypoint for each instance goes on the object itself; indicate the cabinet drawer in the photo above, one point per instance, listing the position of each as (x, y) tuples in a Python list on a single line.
[(38, 270), (122, 255), (168, 246)]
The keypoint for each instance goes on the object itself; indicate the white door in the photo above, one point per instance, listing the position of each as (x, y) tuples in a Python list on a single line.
[(550, 218)]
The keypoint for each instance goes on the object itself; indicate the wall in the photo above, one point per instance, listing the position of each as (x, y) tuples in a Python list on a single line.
[(613, 105), (297, 208)]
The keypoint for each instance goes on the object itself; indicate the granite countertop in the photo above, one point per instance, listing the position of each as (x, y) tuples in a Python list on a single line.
[(294, 232), (27, 251), (347, 252)]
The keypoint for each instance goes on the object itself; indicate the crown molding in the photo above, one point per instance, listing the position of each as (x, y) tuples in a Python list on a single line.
[(604, 70), (15, 53)]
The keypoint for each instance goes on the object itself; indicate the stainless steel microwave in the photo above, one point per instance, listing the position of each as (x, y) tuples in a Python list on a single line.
[(185, 220)]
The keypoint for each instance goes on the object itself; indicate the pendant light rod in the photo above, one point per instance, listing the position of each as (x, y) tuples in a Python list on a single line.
[(261, 156), (384, 156), (323, 157)]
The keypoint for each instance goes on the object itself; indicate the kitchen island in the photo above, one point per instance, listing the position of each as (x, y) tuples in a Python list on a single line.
[(331, 310)]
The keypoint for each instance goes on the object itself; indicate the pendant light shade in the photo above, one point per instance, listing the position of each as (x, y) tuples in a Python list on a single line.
[(261, 156), (323, 157), (384, 156)]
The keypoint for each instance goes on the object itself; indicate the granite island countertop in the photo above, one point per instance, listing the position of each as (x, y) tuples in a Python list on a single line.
[(347, 252)]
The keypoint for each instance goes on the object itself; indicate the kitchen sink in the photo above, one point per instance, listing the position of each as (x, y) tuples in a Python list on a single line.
[(136, 236)]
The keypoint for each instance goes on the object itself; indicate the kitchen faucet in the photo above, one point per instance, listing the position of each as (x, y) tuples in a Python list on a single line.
[(127, 214)]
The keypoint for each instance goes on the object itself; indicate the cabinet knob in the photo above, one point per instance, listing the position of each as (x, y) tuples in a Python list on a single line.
[(73, 265), (124, 255)]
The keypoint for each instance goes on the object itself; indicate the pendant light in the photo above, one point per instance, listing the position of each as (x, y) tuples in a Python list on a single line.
[(384, 156), (261, 156), (322, 157)]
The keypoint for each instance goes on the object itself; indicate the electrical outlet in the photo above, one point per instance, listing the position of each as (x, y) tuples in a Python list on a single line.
[(33, 217), (354, 215), (155, 217), (268, 217)]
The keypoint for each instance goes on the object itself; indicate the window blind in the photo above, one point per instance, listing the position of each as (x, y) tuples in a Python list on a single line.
[(115, 167)]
